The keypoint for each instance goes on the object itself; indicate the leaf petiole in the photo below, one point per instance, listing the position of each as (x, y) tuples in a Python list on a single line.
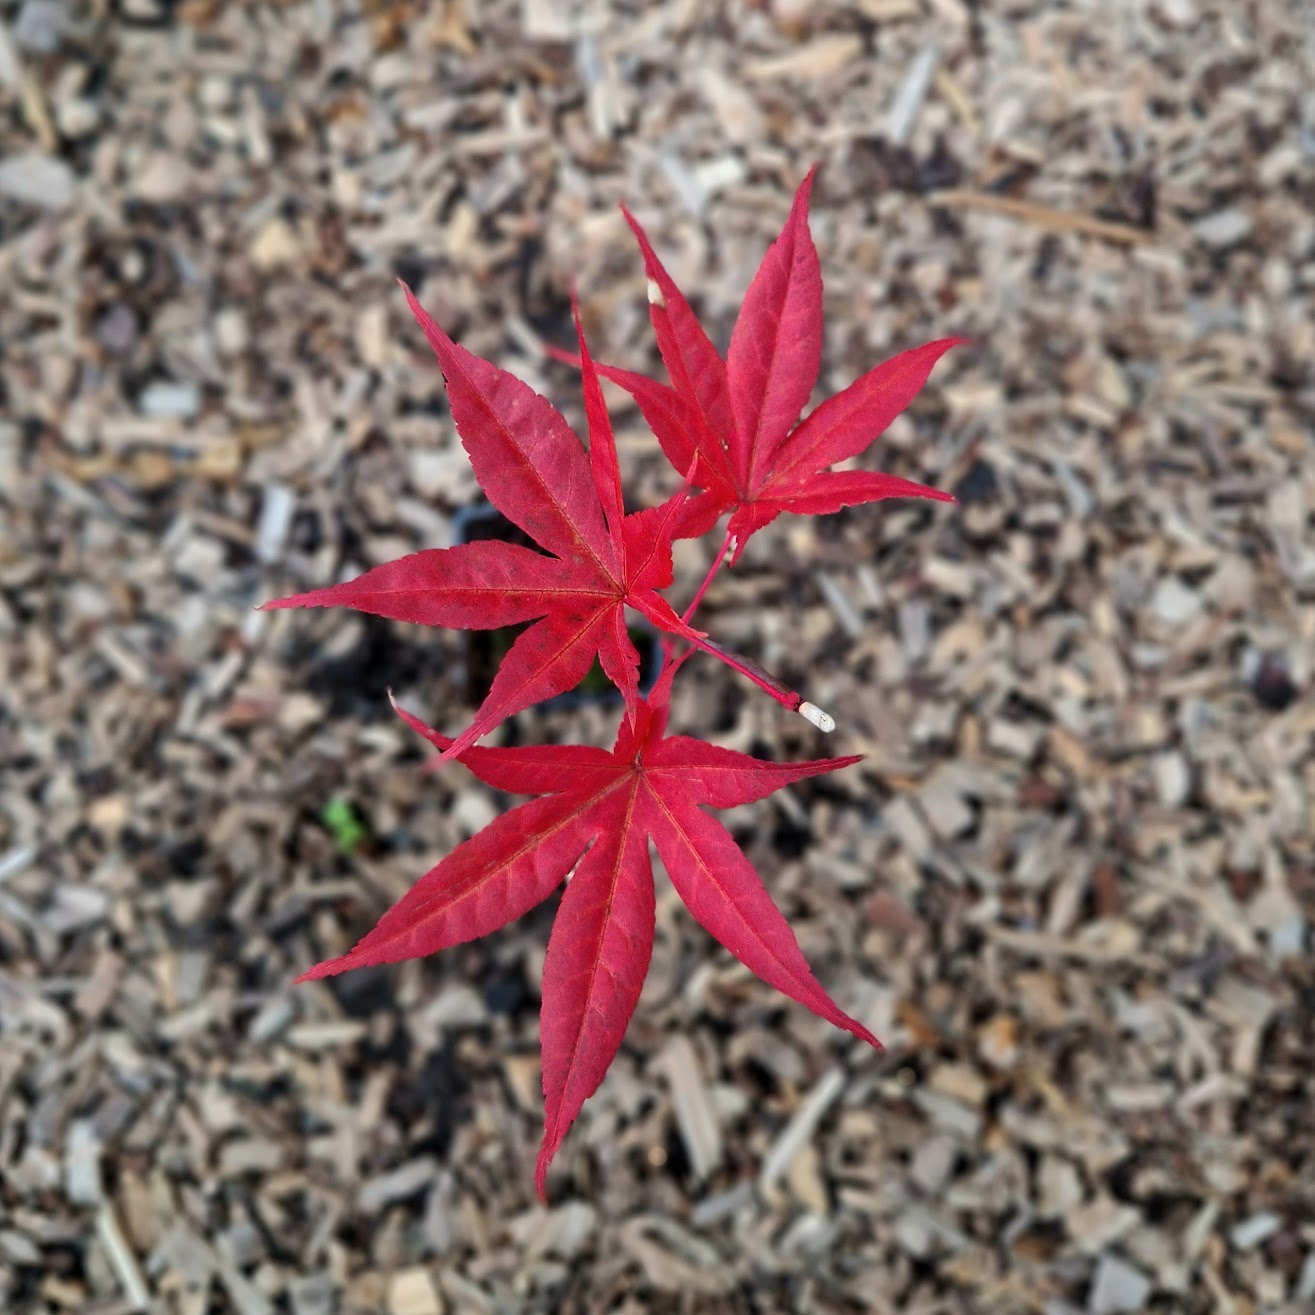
[(727, 543), (769, 684)]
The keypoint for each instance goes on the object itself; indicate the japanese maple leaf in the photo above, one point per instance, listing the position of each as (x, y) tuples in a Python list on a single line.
[(734, 419), (598, 812), (536, 472)]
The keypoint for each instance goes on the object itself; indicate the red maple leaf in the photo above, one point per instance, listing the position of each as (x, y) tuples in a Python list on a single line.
[(598, 812), (536, 472), (733, 420)]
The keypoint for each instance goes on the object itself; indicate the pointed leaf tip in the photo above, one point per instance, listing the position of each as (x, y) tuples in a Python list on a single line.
[(325, 968), (727, 897), (698, 373), (602, 443), (776, 346)]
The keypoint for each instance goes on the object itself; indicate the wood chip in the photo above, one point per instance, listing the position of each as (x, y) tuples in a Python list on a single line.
[(1117, 1287), (801, 1127), (412, 1292), (1043, 217), (822, 57), (904, 109), (696, 1117), (37, 180)]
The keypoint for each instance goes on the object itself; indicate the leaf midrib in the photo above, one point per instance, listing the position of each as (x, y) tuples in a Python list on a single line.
[(530, 844), (617, 877)]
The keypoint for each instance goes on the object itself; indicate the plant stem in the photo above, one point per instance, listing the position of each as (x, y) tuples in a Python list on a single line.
[(787, 698), (764, 679), (668, 643), (707, 579)]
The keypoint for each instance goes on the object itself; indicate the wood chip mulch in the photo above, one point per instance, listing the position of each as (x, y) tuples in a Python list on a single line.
[(1072, 882)]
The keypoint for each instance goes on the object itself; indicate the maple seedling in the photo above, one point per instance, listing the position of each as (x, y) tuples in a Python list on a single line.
[(731, 429)]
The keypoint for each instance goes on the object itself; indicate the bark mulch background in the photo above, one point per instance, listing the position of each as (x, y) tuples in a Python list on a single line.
[(1071, 884)]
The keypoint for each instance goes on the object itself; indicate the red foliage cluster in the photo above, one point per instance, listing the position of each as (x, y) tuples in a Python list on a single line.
[(729, 428)]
